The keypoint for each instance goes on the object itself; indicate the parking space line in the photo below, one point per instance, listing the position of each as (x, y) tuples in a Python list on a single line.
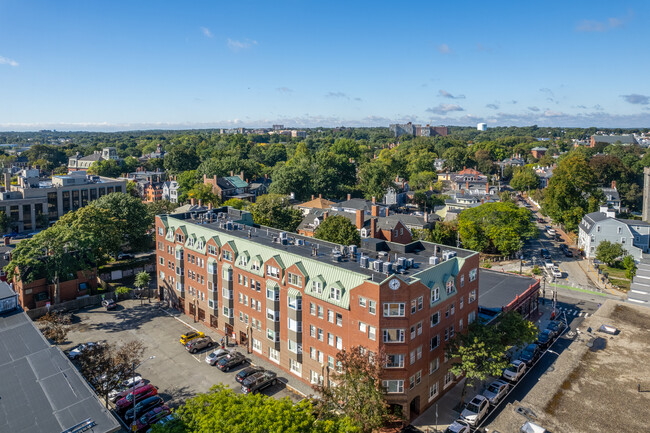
[(182, 321)]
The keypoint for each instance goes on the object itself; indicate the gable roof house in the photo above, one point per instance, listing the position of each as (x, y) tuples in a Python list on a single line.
[(596, 227), (230, 187)]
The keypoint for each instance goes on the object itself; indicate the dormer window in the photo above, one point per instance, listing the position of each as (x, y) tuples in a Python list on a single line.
[(335, 293), (317, 287), (450, 287), (272, 271), (227, 255), (255, 265), (244, 260)]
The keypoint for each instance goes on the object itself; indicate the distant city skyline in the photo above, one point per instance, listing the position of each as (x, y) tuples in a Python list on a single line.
[(108, 66)]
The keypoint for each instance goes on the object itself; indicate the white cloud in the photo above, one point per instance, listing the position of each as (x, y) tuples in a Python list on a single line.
[(445, 108), (446, 94), (284, 90), (6, 61), (206, 32), (611, 23), (444, 49), (635, 98), (236, 45), (336, 95)]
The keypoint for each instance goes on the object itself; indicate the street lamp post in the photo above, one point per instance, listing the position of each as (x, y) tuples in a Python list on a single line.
[(135, 418)]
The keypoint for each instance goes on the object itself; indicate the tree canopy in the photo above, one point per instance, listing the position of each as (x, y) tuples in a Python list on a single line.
[(495, 227), (274, 210), (338, 229), (608, 252), (524, 179)]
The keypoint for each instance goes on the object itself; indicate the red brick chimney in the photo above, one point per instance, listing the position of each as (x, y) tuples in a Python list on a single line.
[(320, 195), (205, 177), (467, 185), (374, 199), (232, 172), (374, 210), (209, 205), (613, 184), (373, 227), (241, 175), (312, 196), (325, 215), (192, 201), (487, 187), (360, 218), (349, 196), (199, 202)]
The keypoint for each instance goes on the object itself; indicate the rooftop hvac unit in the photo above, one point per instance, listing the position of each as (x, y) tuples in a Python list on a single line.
[(433, 260), (300, 242), (377, 266), (409, 263), (229, 225), (284, 240), (446, 255), (401, 262), (352, 249), (363, 262), (388, 268), (283, 235)]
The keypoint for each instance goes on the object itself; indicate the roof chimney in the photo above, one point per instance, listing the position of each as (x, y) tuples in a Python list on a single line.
[(210, 205), (232, 172), (204, 178), (325, 215), (241, 175), (320, 195), (199, 203), (374, 199), (487, 187), (312, 196), (192, 201), (373, 227), (613, 184), (467, 185), (374, 210), (349, 196), (360, 218)]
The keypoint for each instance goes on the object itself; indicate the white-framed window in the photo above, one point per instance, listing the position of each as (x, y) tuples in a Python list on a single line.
[(274, 355), (434, 342), (272, 315), (394, 335), (330, 339), (460, 325), (394, 309), (272, 271), (273, 294), (294, 325), (162, 261), (462, 280), (272, 335), (472, 297), (434, 365), (412, 357), (320, 312), (241, 316), (295, 303), (211, 304), (330, 316), (362, 302), (433, 391), (162, 276), (317, 286), (435, 295), (472, 274), (228, 312), (414, 306), (294, 279), (450, 286), (312, 309), (295, 367), (449, 379), (315, 377), (395, 361), (330, 361), (160, 231), (461, 303), (212, 250), (243, 260), (312, 331), (420, 302), (227, 294), (320, 334), (372, 307), (255, 265), (372, 333), (419, 328), (363, 327), (393, 386), (335, 293), (339, 319), (294, 347), (339, 343), (435, 319), (257, 345), (412, 332), (227, 255)]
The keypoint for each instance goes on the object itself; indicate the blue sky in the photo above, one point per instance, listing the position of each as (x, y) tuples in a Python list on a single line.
[(116, 65)]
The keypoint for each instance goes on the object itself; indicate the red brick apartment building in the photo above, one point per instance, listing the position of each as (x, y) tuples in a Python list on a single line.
[(298, 301)]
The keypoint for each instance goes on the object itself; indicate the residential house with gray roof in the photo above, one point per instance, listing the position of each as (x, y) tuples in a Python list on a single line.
[(595, 227)]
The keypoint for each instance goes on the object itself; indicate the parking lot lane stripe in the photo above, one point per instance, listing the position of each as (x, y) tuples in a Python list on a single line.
[(182, 321)]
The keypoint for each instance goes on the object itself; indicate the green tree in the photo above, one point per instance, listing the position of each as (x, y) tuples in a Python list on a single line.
[(142, 280), (423, 180), (444, 233), (131, 218), (477, 354), (181, 158), (292, 178), (630, 267), (374, 179), (338, 229), (274, 210), (607, 252), (524, 179), (186, 181), (515, 330), (565, 198), (495, 227), (161, 207), (204, 193), (222, 410), (356, 389), (236, 203), (106, 167)]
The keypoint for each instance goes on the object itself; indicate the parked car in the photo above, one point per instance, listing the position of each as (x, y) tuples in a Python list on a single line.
[(557, 326), (545, 338), (541, 220), (459, 426), (109, 304), (244, 373), (152, 417), (140, 394), (165, 420), (191, 336), (214, 357), (143, 406), (530, 354), (556, 272), (496, 391), (544, 253), (568, 253), (78, 351), (232, 360), (125, 387), (548, 263), (514, 371), (258, 381), (197, 344), (557, 237), (475, 410)]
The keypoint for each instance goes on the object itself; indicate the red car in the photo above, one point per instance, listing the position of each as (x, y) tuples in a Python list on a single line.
[(152, 417), (140, 394)]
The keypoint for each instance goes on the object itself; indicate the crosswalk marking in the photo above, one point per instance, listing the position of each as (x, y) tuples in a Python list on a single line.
[(572, 312)]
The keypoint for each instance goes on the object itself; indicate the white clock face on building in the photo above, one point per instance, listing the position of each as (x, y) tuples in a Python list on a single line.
[(394, 284)]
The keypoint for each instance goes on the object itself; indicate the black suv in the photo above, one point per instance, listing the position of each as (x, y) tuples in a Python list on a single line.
[(248, 371), (545, 338), (557, 326), (544, 253), (232, 360), (530, 354), (143, 407), (258, 382)]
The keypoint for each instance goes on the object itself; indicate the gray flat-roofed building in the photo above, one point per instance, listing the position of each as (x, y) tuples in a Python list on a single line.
[(8, 298), (503, 291), (40, 390)]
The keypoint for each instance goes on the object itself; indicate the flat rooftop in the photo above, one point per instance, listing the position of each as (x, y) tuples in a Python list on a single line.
[(40, 390), (374, 249), (599, 384), (498, 289)]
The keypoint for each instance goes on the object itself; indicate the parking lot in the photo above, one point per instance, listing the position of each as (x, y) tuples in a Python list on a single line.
[(177, 373)]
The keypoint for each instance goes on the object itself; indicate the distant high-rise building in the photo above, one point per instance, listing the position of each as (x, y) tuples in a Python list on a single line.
[(278, 127), (481, 127), (418, 130)]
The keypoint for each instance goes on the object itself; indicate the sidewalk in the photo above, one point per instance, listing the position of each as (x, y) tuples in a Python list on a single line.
[(447, 403)]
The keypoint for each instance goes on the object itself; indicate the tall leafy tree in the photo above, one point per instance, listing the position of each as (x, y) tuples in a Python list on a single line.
[(374, 179), (131, 218), (181, 158), (356, 389), (274, 210), (338, 229), (292, 178), (608, 252), (222, 410), (524, 179)]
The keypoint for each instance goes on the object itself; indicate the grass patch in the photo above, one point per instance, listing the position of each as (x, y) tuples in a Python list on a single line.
[(616, 276)]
